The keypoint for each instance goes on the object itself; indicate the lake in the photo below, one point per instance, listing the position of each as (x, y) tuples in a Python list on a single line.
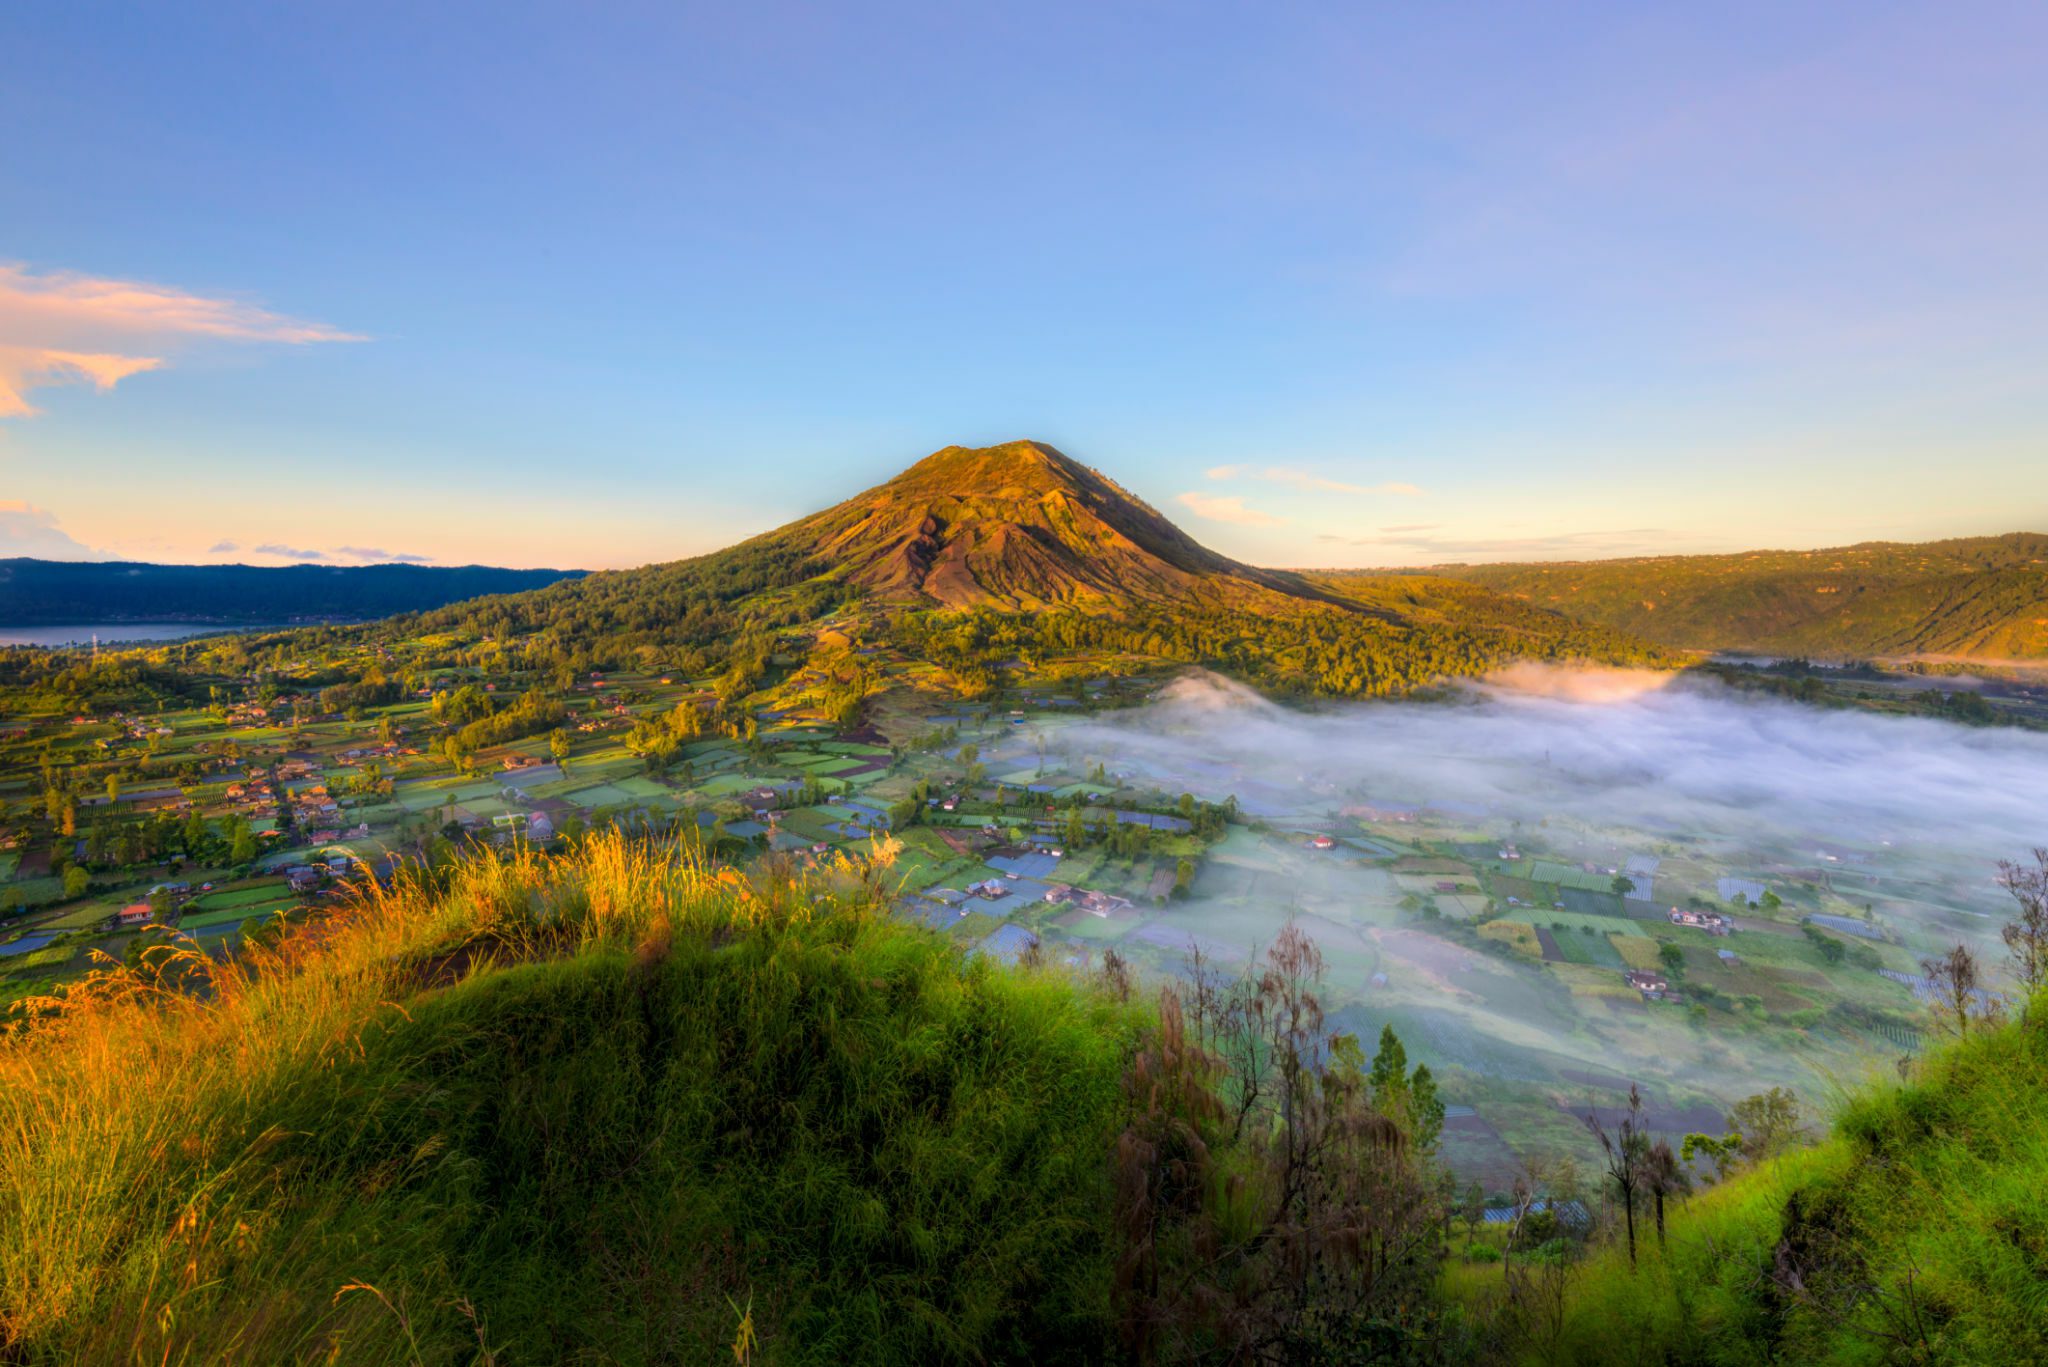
[(123, 633)]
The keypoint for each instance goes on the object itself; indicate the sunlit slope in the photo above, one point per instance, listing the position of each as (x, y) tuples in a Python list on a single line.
[(1916, 1233), (1984, 597), (1020, 531), (590, 1109), (1021, 526)]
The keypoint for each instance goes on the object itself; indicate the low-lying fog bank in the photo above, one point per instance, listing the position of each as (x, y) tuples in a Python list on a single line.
[(1655, 752)]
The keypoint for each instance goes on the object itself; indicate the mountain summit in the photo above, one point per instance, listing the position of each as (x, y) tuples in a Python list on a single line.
[(1018, 525), (1025, 531)]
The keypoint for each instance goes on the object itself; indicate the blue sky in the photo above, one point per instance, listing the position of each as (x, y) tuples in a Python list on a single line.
[(1343, 284)]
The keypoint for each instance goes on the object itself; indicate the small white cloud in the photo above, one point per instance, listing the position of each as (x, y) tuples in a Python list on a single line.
[(289, 552), (1228, 508), (384, 556), (27, 530)]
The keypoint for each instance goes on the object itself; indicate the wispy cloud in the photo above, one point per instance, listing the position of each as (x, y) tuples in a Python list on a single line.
[(388, 557), (222, 548), (1227, 508), (289, 552), (1313, 483), (1410, 541), (31, 531), (60, 327)]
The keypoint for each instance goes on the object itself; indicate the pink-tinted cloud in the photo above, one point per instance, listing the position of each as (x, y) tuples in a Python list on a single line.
[(1229, 509), (59, 327)]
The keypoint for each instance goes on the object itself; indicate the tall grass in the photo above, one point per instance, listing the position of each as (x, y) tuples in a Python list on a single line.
[(576, 1109), (1918, 1232)]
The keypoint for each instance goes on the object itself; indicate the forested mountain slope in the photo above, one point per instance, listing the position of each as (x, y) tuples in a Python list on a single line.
[(977, 554), (1983, 597)]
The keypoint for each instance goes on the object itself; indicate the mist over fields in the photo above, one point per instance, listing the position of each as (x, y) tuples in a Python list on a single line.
[(1850, 815), (1660, 753)]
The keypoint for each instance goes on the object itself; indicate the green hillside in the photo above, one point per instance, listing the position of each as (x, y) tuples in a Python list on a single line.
[(625, 1106), (585, 1111), (1984, 598), (1915, 1234)]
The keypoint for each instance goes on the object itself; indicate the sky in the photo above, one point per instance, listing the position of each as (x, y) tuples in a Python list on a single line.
[(575, 285)]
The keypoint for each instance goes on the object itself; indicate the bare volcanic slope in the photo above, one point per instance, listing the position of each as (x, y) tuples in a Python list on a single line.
[(1020, 526)]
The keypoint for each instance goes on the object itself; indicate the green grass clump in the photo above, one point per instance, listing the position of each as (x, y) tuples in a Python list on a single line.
[(1916, 1233), (592, 1109)]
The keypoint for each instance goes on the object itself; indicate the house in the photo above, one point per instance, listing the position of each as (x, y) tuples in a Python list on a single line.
[(1712, 922), (1647, 982), (539, 829), (1322, 842), (302, 877), (134, 914), (1101, 903)]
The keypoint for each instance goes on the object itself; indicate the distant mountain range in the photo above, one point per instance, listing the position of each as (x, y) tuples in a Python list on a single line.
[(1980, 598), (62, 592)]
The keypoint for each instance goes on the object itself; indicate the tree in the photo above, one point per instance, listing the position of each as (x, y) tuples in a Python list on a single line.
[(1665, 1176), (1726, 1151), (1673, 957), (1952, 988), (75, 881), (1628, 1150), (1765, 1123), (558, 746), (1183, 878), (2026, 935), (1473, 1209)]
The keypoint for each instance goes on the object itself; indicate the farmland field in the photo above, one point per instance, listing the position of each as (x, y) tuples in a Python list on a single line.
[(238, 897)]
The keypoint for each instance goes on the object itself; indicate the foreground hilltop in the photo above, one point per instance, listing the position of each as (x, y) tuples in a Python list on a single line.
[(973, 556), (1980, 598)]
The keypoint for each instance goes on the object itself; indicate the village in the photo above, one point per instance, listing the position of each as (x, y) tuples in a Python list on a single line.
[(1542, 968)]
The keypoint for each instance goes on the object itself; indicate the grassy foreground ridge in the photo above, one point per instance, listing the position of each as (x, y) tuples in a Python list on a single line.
[(591, 1109), (1916, 1233), (627, 1105)]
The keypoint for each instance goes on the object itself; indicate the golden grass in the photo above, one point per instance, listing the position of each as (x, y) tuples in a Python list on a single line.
[(129, 1067)]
